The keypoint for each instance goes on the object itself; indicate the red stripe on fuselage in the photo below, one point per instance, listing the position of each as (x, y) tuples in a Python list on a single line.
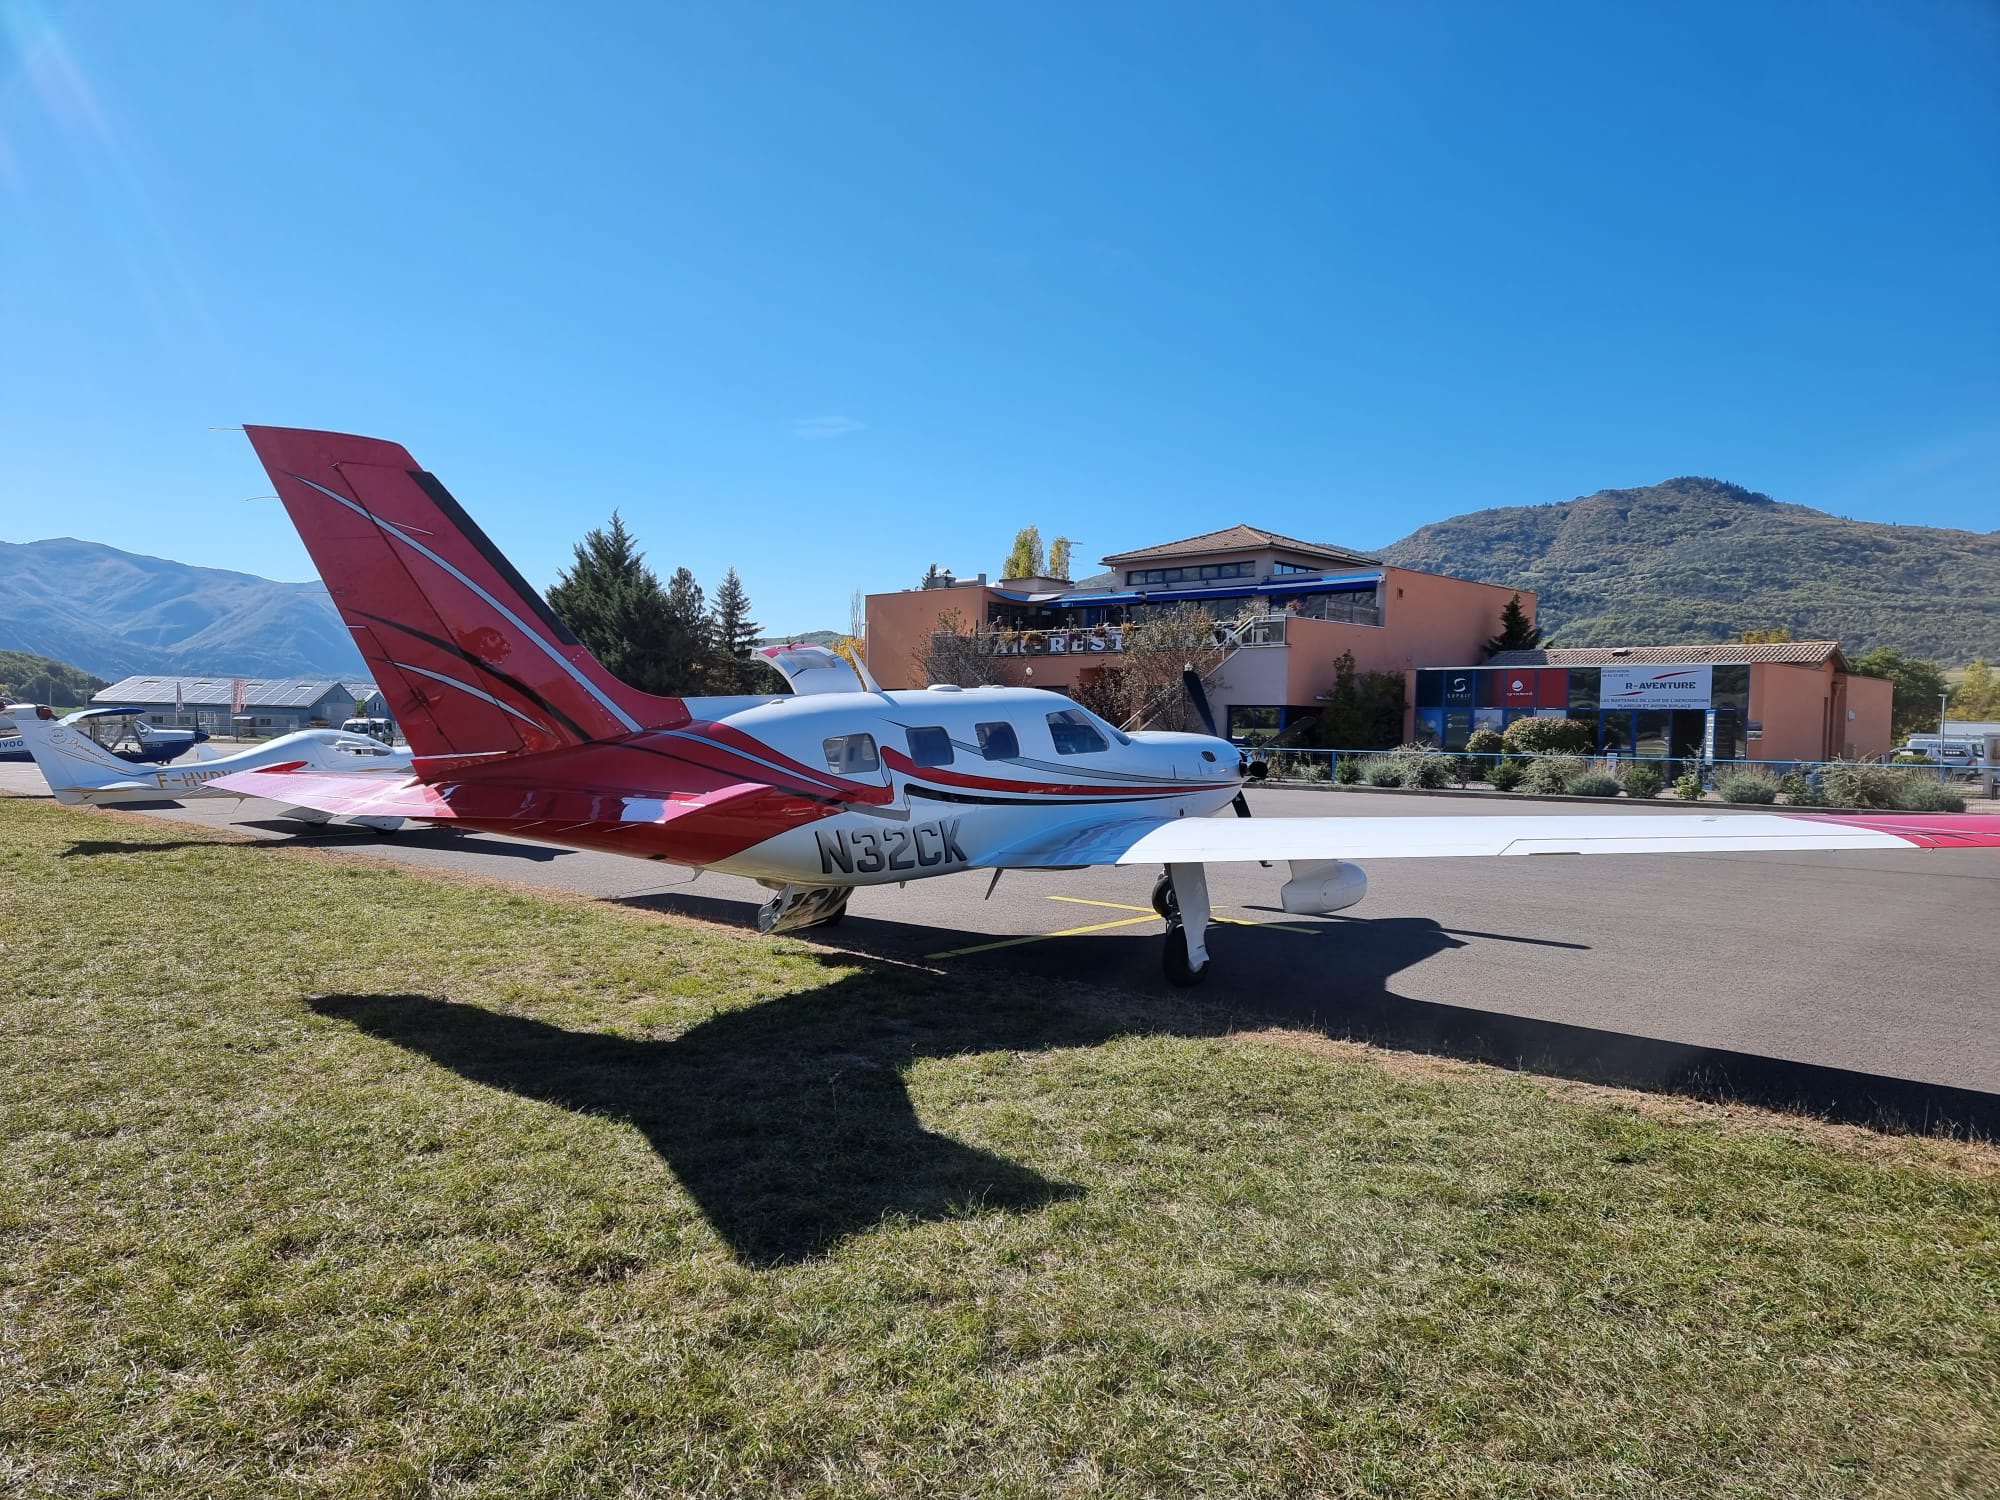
[(900, 762)]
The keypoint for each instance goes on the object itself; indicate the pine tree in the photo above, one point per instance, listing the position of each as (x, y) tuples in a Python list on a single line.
[(687, 644), (1025, 561), (933, 577), (1059, 558), (614, 604), (733, 634), (1516, 634)]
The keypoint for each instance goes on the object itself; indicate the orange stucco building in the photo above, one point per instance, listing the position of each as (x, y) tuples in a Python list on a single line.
[(1783, 701), (1292, 609)]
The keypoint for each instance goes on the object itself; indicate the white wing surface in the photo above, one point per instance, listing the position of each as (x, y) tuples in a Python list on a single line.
[(1223, 840)]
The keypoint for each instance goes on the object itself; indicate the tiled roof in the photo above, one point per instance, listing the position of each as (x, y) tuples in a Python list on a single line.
[(1810, 653), (1235, 538), (214, 692)]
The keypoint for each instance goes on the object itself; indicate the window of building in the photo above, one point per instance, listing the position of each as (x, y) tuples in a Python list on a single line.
[(1255, 723), (998, 741), (851, 754), (1619, 732), (1583, 686), (1290, 568), (1349, 607), (1729, 687), (1074, 734), (1192, 573), (930, 746)]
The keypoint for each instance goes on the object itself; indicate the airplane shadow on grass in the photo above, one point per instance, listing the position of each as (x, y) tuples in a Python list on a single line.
[(790, 1124)]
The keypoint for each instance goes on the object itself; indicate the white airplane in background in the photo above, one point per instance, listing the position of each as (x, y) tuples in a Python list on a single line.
[(517, 729), (79, 770)]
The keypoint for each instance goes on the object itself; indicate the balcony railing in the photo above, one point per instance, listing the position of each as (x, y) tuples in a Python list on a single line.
[(1229, 635)]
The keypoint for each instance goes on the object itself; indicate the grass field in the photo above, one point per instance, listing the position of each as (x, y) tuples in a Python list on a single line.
[(323, 1179)]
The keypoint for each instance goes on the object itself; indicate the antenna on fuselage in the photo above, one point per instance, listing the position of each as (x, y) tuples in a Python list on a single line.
[(867, 677)]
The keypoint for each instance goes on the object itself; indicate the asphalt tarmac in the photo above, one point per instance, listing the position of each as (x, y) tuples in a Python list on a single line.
[(1862, 986)]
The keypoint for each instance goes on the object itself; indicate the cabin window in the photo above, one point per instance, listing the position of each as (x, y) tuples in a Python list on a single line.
[(998, 741), (851, 754), (930, 746), (1074, 734)]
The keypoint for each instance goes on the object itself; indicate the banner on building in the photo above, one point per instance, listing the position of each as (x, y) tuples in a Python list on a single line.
[(1655, 687), (236, 695)]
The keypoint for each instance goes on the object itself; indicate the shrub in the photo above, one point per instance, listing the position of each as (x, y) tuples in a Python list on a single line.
[(1482, 745), (1800, 790), (1289, 765), (1553, 774), (1688, 787), (1505, 775), (1595, 783), (1912, 758), (1423, 771), (1550, 737), (1921, 794), (1381, 770), (1747, 786), (1643, 781), (1859, 784), (1347, 770)]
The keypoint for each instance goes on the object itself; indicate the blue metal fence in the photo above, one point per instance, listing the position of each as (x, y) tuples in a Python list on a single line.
[(1290, 764)]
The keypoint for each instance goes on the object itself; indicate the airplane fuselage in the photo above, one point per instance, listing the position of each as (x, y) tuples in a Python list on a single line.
[(852, 788)]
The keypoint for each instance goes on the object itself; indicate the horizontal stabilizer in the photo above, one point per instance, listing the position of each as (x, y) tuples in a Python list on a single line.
[(344, 794)]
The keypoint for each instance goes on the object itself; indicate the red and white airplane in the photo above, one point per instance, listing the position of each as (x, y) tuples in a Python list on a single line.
[(517, 729)]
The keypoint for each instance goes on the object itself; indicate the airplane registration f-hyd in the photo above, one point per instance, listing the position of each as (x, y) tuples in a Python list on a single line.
[(515, 728)]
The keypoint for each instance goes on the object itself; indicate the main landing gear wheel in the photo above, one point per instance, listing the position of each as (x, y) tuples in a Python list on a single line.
[(1163, 898), (1174, 959)]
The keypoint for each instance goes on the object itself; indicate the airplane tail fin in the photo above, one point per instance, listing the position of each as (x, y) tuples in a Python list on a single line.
[(470, 658), (71, 762)]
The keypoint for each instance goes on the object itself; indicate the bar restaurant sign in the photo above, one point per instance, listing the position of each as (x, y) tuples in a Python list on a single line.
[(1655, 687)]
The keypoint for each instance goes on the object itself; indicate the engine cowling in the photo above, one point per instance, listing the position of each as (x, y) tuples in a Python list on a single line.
[(1318, 887)]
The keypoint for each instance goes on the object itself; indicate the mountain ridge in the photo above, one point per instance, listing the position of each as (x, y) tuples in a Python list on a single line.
[(1700, 559), (114, 613)]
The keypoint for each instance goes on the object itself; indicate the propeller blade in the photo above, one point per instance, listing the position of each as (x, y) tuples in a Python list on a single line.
[(1198, 696), (1242, 805)]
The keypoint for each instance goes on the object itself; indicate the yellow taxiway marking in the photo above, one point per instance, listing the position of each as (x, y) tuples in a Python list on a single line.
[(1147, 914), (1233, 921), (1036, 937)]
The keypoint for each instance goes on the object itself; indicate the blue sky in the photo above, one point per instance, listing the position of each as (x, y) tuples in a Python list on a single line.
[(833, 292)]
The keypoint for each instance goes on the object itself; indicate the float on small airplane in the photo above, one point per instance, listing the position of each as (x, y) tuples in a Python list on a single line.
[(517, 729), (80, 770)]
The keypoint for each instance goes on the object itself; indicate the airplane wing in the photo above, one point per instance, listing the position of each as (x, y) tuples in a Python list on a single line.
[(344, 794), (1153, 841)]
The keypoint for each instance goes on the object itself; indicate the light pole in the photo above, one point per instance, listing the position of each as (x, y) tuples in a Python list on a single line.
[(1943, 698)]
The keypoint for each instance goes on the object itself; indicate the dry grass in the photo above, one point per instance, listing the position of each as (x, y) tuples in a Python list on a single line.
[(322, 1179)]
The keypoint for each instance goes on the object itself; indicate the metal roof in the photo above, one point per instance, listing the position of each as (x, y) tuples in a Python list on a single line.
[(1736, 653), (217, 692), (1235, 538)]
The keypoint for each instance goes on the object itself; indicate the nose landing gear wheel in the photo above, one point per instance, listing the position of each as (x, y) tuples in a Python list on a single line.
[(1174, 958), (1163, 898)]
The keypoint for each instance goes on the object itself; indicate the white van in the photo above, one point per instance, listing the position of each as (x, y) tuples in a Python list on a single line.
[(1957, 751)]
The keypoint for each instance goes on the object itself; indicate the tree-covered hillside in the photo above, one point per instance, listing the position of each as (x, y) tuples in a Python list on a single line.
[(43, 679), (1700, 560)]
